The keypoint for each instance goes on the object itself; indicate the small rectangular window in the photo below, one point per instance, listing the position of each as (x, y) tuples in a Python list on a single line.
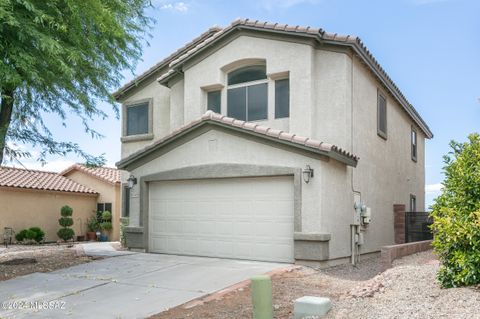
[(108, 207), (214, 101), (414, 144), (126, 202), (382, 116), (282, 98), (413, 203), (137, 119)]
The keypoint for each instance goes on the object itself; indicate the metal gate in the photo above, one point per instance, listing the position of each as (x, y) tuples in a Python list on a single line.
[(417, 226)]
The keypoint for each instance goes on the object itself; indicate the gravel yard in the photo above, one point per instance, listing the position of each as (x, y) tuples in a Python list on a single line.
[(47, 257), (409, 290)]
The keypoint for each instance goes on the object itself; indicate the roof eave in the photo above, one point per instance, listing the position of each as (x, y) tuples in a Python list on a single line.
[(123, 164)]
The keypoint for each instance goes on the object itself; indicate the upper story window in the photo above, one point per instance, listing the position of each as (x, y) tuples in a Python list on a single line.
[(413, 142), (282, 98), (214, 99), (382, 115), (137, 120), (247, 93)]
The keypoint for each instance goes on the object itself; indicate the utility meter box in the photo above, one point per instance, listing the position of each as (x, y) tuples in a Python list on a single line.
[(367, 216), (356, 209)]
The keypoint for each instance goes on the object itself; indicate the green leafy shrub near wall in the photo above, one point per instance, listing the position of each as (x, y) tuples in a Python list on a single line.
[(66, 221), (30, 235), (456, 214)]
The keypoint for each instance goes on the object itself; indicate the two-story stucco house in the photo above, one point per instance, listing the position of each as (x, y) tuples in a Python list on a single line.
[(269, 142)]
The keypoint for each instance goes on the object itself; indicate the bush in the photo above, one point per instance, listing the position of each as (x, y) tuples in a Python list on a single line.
[(106, 215), (456, 214), (66, 221), (21, 235), (106, 226), (66, 233), (33, 234), (92, 224)]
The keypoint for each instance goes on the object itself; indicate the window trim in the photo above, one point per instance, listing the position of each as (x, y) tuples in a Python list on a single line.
[(414, 156), (414, 198), (246, 85), (383, 135), (137, 137)]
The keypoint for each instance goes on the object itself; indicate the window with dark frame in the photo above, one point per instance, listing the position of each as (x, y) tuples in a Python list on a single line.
[(413, 203), (382, 116), (126, 201), (247, 94), (137, 119), (282, 98), (214, 100), (414, 144), (102, 207)]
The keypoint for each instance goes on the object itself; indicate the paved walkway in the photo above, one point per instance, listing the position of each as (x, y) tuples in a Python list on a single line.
[(129, 286), (103, 249)]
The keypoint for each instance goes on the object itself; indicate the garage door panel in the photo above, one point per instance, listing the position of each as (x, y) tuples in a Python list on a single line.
[(245, 218)]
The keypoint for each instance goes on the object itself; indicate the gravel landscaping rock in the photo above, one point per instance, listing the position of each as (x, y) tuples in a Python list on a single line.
[(408, 290), (48, 258)]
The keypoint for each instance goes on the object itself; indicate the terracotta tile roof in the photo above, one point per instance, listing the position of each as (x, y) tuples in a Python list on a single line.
[(39, 180), (291, 139), (107, 174), (163, 63), (320, 35)]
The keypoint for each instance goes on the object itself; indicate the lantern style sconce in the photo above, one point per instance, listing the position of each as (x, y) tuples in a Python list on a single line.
[(132, 180), (307, 174)]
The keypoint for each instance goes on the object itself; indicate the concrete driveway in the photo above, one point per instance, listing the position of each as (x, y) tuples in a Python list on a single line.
[(129, 286)]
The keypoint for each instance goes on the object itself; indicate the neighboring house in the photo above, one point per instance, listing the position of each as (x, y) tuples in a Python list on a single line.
[(257, 141), (34, 198), (107, 182)]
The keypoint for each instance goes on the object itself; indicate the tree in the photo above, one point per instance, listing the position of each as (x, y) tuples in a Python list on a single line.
[(62, 57), (456, 214), (66, 233)]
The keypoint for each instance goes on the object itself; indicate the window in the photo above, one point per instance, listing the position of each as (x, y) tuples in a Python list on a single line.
[(247, 94), (382, 116), (214, 101), (126, 201), (282, 98), (414, 144), (413, 203), (137, 119), (102, 207)]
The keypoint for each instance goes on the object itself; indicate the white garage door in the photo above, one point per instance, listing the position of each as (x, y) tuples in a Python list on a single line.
[(244, 218)]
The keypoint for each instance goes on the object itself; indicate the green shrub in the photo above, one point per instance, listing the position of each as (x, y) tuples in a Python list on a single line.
[(33, 234), (21, 235), (106, 226), (39, 234), (66, 233), (106, 215), (66, 221), (456, 214)]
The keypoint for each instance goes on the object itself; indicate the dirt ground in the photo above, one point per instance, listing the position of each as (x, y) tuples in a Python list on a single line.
[(408, 290), (48, 258)]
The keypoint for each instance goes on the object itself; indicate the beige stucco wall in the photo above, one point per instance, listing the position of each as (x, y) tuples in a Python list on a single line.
[(333, 98), (22, 209), (108, 193)]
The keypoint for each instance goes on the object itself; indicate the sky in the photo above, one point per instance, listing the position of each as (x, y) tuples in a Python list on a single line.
[(430, 48)]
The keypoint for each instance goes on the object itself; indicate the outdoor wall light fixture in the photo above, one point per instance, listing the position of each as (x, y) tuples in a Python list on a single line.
[(132, 180), (307, 174)]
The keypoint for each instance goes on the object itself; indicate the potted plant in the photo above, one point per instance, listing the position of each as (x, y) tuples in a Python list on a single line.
[(106, 225), (92, 227)]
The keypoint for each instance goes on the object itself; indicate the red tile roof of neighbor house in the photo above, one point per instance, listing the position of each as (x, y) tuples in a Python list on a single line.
[(291, 139), (107, 174), (40, 180)]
